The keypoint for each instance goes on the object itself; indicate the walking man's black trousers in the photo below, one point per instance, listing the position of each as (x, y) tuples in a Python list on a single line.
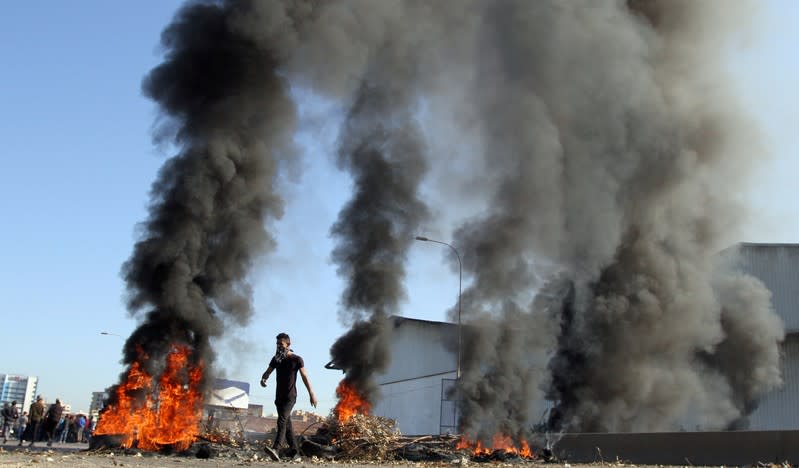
[(285, 433)]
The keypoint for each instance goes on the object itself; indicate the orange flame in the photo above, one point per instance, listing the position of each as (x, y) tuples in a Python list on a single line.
[(350, 402), (499, 442), (165, 415)]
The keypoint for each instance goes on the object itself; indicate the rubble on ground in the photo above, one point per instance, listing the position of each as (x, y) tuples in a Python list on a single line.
[(361, 438)]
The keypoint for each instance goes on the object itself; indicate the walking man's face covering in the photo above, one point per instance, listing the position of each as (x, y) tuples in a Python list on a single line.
[(282, 350)]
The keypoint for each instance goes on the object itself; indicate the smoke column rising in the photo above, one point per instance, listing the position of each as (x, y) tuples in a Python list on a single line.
[(381, 146), (227, 108), (610, 132)]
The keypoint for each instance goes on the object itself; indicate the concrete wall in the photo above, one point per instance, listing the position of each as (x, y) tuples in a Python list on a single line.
[(682, 448), (420, 348), (415, 404), (423, 353)]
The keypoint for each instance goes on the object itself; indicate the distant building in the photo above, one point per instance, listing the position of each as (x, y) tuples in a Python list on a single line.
[(227, 406), (255, 410), (303, 415), (98, 399), (228, 409), (21, 388), (229, 394)]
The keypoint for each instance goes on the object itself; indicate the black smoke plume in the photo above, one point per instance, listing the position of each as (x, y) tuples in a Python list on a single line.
[(608, 137), (381, 147), (607, 144), (226, 107)]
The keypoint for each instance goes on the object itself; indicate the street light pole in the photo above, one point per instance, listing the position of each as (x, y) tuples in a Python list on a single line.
[(460, 284), (110, 334)]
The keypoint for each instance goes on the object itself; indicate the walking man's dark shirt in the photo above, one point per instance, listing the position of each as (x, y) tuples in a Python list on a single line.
[(286, 385)]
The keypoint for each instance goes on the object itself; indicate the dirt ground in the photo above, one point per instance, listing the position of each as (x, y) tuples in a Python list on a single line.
[(54, 458), (78, 456), (72, 455)]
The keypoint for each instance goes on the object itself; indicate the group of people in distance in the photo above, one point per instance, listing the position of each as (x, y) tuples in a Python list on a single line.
[(44, 423)]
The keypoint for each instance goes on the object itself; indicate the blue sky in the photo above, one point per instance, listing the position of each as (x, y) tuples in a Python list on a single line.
[(77, 161)]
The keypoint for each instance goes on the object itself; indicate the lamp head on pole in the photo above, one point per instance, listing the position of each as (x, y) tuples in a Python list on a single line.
[(420, 238)]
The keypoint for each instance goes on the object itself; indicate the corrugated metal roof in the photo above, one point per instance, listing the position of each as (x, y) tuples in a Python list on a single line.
[(777, 266)]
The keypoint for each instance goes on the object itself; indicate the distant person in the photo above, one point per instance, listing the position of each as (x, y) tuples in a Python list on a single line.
[(287, 365), (62, 431), (51, 419), (81, 428), (22, 423), (90, 426), (73, 428), (35, 416), (10, 415)]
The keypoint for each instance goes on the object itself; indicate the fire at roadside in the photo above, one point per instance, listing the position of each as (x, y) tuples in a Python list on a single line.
[(349, 434), (362, 438)]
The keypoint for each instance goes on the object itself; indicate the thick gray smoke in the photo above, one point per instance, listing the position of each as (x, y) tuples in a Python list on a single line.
[(361, 52), (607, 144), (381, 147), (228, 110), (609, 138)]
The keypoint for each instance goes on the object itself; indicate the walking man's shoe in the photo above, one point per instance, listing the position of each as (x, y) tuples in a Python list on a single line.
[(272, 453)]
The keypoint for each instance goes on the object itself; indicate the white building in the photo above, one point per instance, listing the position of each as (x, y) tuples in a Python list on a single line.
[(414, 387), (97, 403), (413, 390), (19, 388), (777, 266), (231, 394), (227, 404)]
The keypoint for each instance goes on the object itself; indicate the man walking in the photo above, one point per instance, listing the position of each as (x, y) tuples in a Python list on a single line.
[(51, 419), (35, 416), (10, 415), (287, 365), (22, 423)]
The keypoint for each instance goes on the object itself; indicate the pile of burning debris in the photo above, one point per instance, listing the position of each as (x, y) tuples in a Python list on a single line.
[(359, 438), (349, 433), (366, 437)]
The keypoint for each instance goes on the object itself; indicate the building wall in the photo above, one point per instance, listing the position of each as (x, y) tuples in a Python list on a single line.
[(777, 266), (97, 403), (423, 354), (415, 404), (420, 348), (779, 409), (255, 410), (21, 388), (229, 393)]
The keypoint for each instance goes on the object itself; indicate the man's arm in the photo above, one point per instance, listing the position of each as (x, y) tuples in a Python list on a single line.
[(266, 375), (308, 386)]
